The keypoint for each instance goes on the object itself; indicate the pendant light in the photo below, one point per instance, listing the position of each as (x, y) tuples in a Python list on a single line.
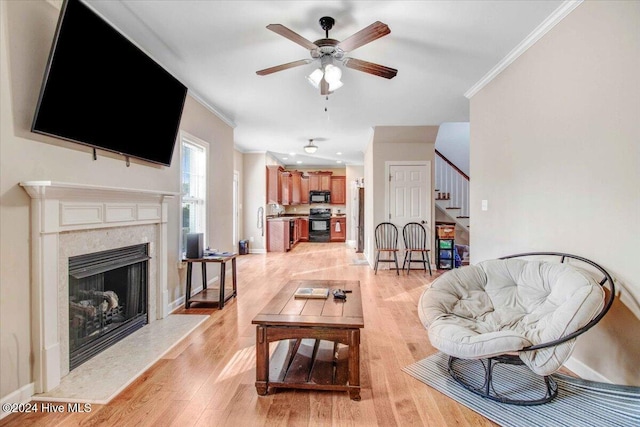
[(310, 148)]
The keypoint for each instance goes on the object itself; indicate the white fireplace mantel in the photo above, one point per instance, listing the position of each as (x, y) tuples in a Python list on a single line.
[(60, 207)]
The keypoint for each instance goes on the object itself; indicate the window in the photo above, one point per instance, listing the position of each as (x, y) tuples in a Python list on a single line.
[(194, 187)]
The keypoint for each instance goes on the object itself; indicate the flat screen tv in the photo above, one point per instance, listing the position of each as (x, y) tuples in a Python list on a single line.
[(102, 91)]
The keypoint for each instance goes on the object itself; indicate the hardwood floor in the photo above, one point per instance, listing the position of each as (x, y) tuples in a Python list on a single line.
[(208, 378)]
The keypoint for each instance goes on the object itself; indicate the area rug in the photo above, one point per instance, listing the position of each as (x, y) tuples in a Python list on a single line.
[(101, 378), (579, 402)]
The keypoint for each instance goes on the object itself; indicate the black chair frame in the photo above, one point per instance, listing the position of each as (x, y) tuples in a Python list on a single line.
[(411, 243), (386, 243), (549, 388)]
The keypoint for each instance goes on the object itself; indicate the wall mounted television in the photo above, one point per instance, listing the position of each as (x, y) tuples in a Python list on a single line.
[(101, 90)]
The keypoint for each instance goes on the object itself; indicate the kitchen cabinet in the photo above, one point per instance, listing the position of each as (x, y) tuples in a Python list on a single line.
[(338, 190), (274, 184), (296, 188), (283, 233), (278, 235), (304, 229), (320, 181), (338, 229), (286, 188), (304, 190)]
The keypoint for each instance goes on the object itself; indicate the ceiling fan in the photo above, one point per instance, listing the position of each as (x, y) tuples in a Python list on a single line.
[(327, 50)]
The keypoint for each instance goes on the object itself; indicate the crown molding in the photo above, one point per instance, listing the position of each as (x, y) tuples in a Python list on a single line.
[(57, 4), (558, 15), (209, 107)]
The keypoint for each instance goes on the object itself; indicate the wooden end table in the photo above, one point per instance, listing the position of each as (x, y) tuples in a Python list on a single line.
[(319, 340), (206, 295)]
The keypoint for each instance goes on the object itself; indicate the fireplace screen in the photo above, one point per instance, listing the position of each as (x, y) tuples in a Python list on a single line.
[(107, 299)]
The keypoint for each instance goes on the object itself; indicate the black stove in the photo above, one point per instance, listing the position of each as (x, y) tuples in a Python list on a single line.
[(319, 224), (319, 213)]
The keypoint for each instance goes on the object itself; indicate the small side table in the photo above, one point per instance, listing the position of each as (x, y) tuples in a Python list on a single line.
[(206, 295)]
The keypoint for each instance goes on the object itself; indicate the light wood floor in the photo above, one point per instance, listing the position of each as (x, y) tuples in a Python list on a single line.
[(208, 379)]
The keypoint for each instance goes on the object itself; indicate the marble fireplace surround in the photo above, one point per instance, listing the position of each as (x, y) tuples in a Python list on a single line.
[(69, 219)]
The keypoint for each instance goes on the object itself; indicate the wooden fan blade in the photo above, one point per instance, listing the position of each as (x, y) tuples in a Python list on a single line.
[(364, 36), (370, 67), (291, 35), (324, 87), (283, 67)]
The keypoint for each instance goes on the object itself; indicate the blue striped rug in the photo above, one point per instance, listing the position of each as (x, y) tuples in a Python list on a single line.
[(579, 402)]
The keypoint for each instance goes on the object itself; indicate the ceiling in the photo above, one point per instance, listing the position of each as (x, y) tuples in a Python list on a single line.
[(440, 48)]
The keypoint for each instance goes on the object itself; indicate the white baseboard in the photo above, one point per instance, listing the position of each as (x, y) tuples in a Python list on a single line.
[(585, 372), (22, 395), (257, 251), (174, 305), (179, 302)]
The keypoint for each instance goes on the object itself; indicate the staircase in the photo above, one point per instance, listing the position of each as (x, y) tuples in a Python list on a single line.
[(452, 191)]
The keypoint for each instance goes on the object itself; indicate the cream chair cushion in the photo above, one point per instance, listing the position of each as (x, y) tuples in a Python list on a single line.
[(502, 306)]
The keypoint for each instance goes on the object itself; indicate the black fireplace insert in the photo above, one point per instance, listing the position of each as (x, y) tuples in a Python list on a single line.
[(107, 299)]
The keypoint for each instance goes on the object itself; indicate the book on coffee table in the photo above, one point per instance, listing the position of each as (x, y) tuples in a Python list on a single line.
[(321, 293)]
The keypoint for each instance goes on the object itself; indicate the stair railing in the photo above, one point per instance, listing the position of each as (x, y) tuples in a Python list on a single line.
[(450, 179)]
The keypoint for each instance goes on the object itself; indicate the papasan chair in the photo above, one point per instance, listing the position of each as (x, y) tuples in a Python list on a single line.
[(518, 312)]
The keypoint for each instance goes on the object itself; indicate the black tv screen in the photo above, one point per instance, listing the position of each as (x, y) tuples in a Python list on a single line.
[(101, 90)]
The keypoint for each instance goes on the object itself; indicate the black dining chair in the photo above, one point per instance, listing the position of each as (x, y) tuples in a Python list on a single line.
[(415, 240), (386, 236)]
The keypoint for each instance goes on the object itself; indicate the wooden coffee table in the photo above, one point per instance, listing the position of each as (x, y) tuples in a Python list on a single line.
[(318, 340)]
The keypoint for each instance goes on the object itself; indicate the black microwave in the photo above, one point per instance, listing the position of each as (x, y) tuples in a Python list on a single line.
[(319, 197)]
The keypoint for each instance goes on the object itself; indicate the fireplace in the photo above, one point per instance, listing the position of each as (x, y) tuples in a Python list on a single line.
[(107, 299), (69, 221)]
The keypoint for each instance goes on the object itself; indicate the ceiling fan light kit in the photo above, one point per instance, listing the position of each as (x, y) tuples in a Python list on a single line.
[(327, 76), (329, 72), (332, 74), (315, 77)]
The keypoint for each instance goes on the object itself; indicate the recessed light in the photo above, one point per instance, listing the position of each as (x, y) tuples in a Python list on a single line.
[(285, 158), (339, 153), (338, 161), (292, 154), (299, 161)]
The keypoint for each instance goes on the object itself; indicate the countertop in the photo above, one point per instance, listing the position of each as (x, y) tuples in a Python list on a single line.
[(289, 217), (286, 217)]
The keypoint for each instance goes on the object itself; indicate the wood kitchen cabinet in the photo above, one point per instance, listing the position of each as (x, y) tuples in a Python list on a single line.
[(284, 233), (339, 229), (274, 184), (278, 236), (296, 188), (338, 190), (320, 181), (286, 186), (304, 190), (304, 229)]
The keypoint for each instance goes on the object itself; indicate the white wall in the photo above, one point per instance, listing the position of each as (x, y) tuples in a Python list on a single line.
[(255, 195), (353, 172), (453, 143), (555, 150), (401, 143), (238, 166), (26, 33)]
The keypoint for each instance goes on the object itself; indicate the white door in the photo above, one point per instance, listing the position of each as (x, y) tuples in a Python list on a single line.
[(409, 191)]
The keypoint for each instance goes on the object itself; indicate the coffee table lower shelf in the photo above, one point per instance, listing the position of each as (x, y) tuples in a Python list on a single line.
[(312, 364), (316, 342)]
